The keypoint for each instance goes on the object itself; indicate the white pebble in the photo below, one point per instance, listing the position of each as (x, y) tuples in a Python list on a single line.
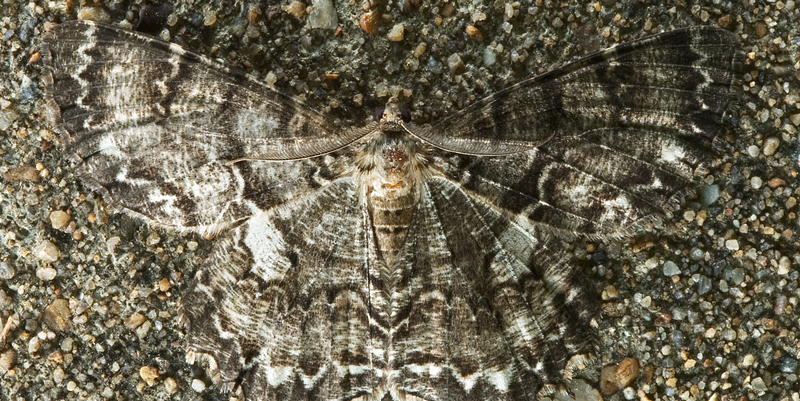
[(47, 252), (46, 273), (784, 264), (170, 385), (33, 345), (756, 182), (732, 244), (771, 145), (58, 375), (198, 385), (323, 15), (396, 34)]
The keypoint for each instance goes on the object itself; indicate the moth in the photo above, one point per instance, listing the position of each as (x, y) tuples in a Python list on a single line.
[(389, 261)]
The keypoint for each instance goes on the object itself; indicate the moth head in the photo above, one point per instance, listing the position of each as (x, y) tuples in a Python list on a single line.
[(392, 116)]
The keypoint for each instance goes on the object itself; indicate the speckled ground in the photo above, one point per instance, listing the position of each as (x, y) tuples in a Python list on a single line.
[(704, 300)]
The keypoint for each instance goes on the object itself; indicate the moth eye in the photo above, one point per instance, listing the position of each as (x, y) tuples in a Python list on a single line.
[(378, 114), (405, 114)]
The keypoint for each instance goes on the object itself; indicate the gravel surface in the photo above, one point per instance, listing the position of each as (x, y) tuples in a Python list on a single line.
[(703, 300)]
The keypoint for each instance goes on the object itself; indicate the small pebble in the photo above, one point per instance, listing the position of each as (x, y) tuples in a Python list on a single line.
[(709, 194), (786, 364), (369, 22), (323, 15), (758, 384), (775, 182), (616, 377), (153, 239), (771, 145), (732, 244), (396, 33), (107, 392), (170, 385), (737, 275), (7, 360), (6, 270), (198, 385), (7, 118), (33, 345), (779, 308), (703, 285), (66, 344), (47, 252), (142, 330), (98, 14), (59, 219), (46, 273), (23, 174), (420, 49), (455, 64), (756, 182), (671, 269), (57, 315), (784, 265), (135, 321), (795, 119), (112, 243), (295, 9), (164, 285), (148, 374), (58, 375)]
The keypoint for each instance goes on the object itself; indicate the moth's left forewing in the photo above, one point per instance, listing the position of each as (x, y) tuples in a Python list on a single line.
[(176, 138)]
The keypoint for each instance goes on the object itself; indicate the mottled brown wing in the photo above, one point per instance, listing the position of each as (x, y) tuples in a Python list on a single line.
[(628, 129), (680, 80), (156, 127), (285, 302)]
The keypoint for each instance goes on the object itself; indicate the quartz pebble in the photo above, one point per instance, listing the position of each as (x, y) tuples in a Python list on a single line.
[(46, 273), (455, 64), (170, 385), (58, 375), (396, 33), (671, 269), (784, 265), (59, 219), (771, 145), (6, 270), (47, 252), (323, 15), (198, 385)]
